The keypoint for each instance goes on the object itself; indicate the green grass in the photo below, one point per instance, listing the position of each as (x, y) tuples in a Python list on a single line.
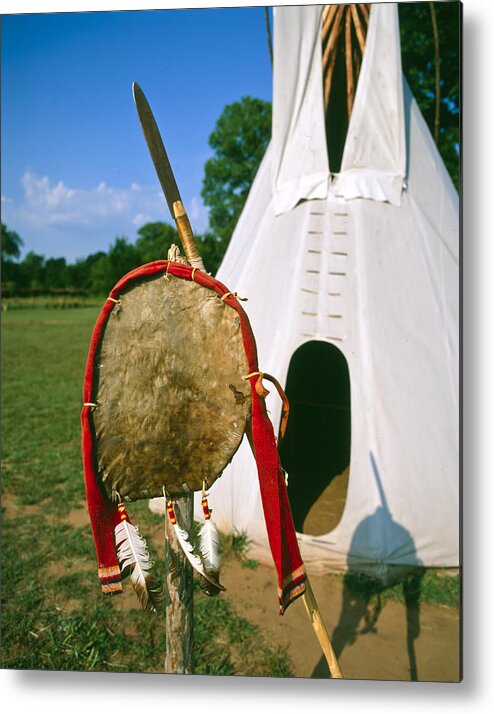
[(51, 302), (236, 545), (54, 616), (425, 586), (43, 368)]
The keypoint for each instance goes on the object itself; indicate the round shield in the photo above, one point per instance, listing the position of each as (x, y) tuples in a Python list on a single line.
[(172, 406)]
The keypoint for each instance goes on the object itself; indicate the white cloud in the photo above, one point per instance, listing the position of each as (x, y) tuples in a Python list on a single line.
[(140, 219), (56, 219), (48, 203)]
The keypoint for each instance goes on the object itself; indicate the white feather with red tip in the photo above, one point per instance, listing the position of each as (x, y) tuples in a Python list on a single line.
[(132, 552), (188, 549)]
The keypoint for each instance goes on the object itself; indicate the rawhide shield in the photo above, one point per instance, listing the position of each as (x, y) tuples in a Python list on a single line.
[(167, 380)]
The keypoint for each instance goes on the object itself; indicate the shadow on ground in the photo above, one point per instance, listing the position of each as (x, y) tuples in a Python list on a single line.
[(363, 595)]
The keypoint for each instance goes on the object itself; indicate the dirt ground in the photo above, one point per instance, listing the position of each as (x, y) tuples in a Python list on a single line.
[(421, 644), (366, 649)]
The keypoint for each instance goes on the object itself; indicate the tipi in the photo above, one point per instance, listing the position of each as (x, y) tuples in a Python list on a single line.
[(352, 278)]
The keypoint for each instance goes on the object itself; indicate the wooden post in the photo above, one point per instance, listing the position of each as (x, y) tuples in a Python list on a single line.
[(179, 658)]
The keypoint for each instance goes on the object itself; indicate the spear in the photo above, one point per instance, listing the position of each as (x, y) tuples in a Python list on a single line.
[(314, 615), (166, 177), (179, 656)]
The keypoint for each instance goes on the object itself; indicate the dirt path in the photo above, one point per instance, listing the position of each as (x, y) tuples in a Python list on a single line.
[(368, 650)]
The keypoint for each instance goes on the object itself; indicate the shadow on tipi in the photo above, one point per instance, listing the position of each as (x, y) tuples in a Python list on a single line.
[(363, 594)]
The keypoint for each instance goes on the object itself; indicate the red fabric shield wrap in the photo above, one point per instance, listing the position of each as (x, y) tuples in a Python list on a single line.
[(103, 513)]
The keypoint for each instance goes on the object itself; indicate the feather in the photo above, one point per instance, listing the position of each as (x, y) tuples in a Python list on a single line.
[(187, 547), (209, 542), (209, 546), (133, 554)]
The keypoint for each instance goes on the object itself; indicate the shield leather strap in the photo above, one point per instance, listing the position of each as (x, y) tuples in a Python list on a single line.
[(104, 513)]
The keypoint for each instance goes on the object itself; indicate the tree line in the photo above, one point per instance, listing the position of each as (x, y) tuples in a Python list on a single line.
[(430, 44), (95, 274)]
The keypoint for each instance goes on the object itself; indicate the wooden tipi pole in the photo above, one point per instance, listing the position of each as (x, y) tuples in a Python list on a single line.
[(437, 73), (332, 31), (329, 55), (350, 86), (268, 33), (358, 28)]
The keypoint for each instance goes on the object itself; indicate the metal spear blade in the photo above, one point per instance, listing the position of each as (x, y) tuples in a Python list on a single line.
[(156, 148)]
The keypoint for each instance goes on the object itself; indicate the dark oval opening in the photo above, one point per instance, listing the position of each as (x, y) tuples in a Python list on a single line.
[(316, 449)]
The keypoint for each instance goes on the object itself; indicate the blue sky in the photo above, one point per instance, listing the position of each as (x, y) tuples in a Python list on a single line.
[(76, 172)]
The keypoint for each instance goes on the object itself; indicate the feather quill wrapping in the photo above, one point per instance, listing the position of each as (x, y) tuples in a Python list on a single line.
[(132, 553), (187, 547)]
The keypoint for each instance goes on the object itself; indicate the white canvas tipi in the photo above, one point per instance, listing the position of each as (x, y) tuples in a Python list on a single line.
[(353, 287)]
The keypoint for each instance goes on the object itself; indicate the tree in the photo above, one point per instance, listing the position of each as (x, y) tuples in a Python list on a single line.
[(154, 241), (211, 250), (11, 251), (33, 271), (79, 273), (418, 57), (55, 273), (11, 245), (239, 140), (107, 270), (100, 282)]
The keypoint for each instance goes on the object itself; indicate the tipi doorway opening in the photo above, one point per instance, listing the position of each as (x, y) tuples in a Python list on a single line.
[(315, 451)]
